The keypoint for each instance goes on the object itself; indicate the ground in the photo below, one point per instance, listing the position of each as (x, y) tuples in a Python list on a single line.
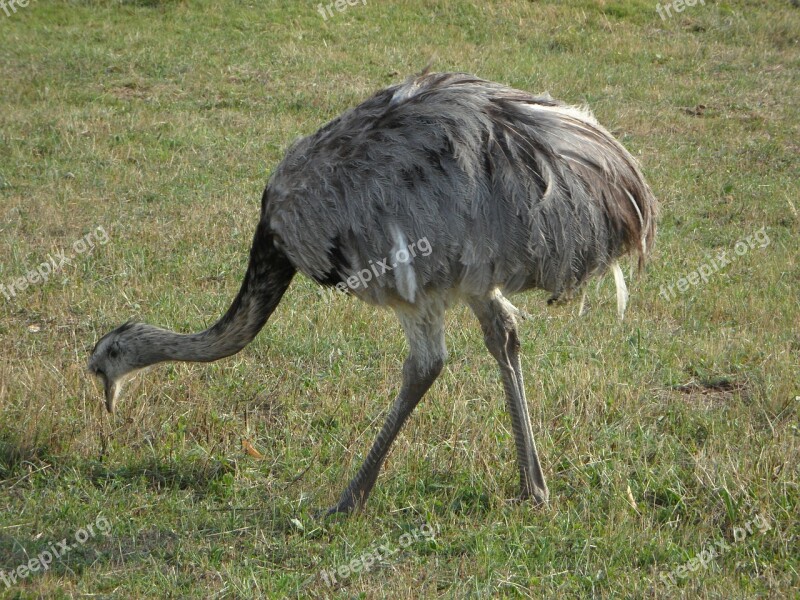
[(135, 140)]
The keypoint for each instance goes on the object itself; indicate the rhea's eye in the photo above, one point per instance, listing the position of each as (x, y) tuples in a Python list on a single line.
[(113, 352)]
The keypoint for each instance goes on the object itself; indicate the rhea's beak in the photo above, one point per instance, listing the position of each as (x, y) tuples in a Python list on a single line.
[(111, 393), (110, 390)]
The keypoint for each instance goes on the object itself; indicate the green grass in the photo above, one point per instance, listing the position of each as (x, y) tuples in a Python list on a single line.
[(161, 121)]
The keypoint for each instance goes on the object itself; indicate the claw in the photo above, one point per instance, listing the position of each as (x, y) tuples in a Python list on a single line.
[(345, 507)]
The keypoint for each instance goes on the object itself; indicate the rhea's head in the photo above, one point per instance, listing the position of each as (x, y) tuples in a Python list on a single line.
[(115, 357)]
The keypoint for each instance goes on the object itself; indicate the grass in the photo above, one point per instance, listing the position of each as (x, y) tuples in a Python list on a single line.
[(160, 121)]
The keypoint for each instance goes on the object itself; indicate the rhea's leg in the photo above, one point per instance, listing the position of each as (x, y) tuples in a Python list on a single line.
[(424, 331), (502, 340)]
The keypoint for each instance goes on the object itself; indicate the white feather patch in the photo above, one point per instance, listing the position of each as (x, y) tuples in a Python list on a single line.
[(506, 303), (622, 290), (404, 92), (641, 222), (579, 113), (404, 276)]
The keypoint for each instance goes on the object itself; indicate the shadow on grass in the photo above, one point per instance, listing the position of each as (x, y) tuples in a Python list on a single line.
[(69, 553), (132, 3), (210, 479), (207, 476), (18, 456)]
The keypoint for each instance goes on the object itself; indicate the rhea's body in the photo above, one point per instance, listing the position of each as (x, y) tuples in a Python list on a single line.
[(511, 191), (498, 190)]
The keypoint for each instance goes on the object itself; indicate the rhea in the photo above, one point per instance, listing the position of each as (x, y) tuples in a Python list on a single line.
[(509, 192)]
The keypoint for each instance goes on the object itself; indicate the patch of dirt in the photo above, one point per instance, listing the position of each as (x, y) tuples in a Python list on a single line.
[(695, 111), (130, 90), (710, 392)]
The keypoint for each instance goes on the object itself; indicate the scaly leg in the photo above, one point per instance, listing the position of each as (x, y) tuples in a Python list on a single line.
[(500, 335), (425, 334)]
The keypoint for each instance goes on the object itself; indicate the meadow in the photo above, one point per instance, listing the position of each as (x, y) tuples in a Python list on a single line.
[(135, 141)]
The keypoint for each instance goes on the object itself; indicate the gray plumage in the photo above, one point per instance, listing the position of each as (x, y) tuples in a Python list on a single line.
[(513, 191), (508, 192)]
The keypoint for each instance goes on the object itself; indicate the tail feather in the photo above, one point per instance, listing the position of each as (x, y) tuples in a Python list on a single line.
[(622, 290)]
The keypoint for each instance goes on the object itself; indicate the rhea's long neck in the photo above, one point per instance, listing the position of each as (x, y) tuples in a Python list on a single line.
[(222, 339), (269, 274)]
